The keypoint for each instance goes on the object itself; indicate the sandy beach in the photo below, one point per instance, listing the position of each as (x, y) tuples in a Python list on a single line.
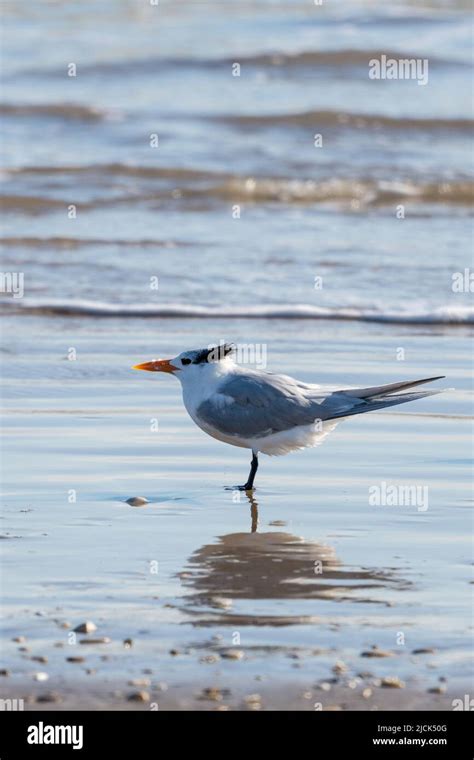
[(303, 588), (312, 594)]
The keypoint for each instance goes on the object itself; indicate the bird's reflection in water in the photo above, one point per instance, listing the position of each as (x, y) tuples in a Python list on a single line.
[(274, 566), (253, 511)]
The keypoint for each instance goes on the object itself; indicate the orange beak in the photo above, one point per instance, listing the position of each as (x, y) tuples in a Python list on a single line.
[(157, 365)]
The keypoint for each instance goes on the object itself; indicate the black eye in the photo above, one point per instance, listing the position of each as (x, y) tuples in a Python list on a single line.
[(185, 361)]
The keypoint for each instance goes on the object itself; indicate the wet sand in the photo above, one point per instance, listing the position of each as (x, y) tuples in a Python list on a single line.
[(287, 697), (304, 593)]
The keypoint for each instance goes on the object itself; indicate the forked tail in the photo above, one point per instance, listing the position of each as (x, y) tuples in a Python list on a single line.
[(383, 396)]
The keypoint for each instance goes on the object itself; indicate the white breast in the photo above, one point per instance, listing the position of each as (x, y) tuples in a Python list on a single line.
[(200, 383)]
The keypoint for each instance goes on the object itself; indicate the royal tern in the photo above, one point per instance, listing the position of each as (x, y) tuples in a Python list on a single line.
[(264, 412)]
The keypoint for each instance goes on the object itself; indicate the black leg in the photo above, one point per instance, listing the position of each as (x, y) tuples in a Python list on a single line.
[(253, 471)]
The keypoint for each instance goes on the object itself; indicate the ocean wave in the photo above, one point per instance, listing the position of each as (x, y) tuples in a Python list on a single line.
[(356, 192), (443, 315), (76, 242), (33, 204), (348, 57), (312, 118), (117, 169), (348, 119), (67, 111), (184, 189), (151, 65)]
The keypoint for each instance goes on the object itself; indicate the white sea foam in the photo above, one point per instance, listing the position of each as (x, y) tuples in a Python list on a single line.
[(445, 315)]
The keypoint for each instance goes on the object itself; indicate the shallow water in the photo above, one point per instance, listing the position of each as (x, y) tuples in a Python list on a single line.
[(301, 576), (317, 270), (224, 141)]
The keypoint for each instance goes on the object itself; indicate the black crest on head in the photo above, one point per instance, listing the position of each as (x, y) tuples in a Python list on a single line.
[(214, 353)]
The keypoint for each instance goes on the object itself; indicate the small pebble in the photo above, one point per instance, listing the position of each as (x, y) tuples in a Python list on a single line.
[(324, 686), (213, 694), (366, 693), (40, 658), (233, 654), (101, 640), (222, 708), (49, 696), (392, 682), (174, 652), (376, 652), (4, 672), (221, 602), (137, 501), (139, 696), (424, 650), (87, 627), (253, 698), (339, 667), (253, 701), (437, 689), (209, 659), (333, 708), (19, 639), (128, 643), (75, 659), (139, 682), (41, 676)]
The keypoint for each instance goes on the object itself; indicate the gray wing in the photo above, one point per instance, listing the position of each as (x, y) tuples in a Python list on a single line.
[(257, 404)]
